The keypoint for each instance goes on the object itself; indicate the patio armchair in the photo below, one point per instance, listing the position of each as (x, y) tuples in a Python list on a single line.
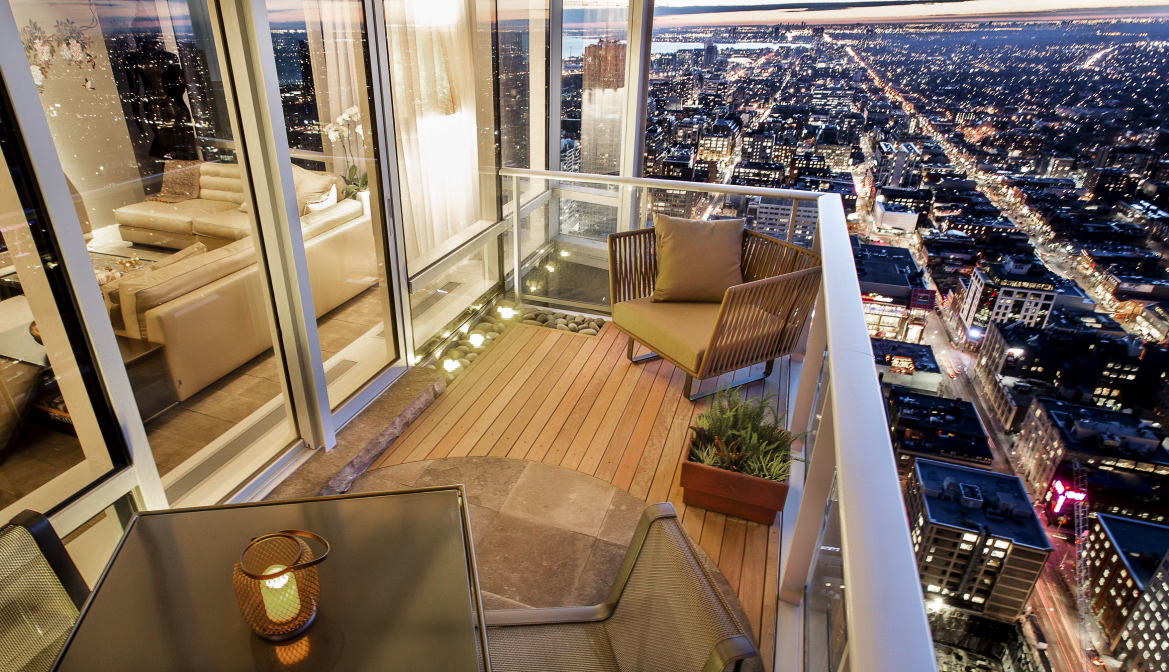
[(665, 612), (757, 321), (41, 593)]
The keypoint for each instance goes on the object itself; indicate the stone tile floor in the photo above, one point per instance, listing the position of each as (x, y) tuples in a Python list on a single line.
[(545, 536)]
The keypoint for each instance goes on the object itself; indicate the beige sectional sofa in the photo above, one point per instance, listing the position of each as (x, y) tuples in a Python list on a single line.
[(209, 309)]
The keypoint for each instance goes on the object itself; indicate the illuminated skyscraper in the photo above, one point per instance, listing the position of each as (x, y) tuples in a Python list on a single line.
[(602, 98)]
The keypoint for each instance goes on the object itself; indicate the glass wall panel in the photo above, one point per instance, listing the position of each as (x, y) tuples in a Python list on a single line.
[(523, 83), (135, 99), (321, 60), (442, 302), (825, 606), (592, 104), (443, 78), (57, 435)]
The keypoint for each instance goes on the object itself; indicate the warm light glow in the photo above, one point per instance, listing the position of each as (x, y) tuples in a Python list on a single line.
[(281, 600), (450, 364), (291, 654), (506, 313), (550, 268), (564, 253), (477, 340), (1015, 352)]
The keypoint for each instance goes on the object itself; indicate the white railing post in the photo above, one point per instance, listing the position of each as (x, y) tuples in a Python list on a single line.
[(515, 240)]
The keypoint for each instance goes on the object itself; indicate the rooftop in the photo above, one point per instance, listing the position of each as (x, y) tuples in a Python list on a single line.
[(1140, 545), (922, 355), (1093, 430), (974, 499), (938, 426), (886, 265)]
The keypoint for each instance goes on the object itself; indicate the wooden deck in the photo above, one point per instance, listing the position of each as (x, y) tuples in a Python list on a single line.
[(576, 401)]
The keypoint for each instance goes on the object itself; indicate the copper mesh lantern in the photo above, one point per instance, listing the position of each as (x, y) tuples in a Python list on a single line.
[(276, 583)]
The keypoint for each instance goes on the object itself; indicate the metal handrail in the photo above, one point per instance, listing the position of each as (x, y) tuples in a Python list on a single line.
[(887, 624), (655, 183)]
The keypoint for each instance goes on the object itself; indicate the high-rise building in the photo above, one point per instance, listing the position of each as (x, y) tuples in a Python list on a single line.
[(978, 542), (1123, 554), (776, 217), (1019, 289), (602, 98), (1121, 455), (1144, 640), (936, 428)]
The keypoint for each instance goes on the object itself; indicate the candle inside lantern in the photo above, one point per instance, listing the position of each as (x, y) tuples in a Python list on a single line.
[(279, 594)]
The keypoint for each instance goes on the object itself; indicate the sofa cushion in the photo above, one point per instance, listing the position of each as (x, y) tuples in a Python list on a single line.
[(677, 329), (141, 293), (310, 186), (169, 217), (221, 182), (230, 224), (316, 223), (697, 260), (111, 288)]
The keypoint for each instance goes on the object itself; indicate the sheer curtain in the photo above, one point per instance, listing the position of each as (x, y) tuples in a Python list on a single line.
[(433, 80), (335, 44)]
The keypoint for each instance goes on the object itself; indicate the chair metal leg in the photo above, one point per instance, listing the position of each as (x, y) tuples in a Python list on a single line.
[(690, 381), (641, 358)]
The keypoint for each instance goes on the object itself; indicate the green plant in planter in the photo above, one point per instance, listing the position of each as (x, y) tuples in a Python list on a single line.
[(743, 436), (354, 183)]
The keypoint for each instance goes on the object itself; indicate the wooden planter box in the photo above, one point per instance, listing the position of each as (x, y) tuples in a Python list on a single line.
[(750, 497)]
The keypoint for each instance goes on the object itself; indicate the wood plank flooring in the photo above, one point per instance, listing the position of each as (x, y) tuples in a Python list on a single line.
[(577, 402)]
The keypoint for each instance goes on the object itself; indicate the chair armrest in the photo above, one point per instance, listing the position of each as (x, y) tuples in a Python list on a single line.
[(766, 257), (633, 264), (728, 651), (549, 616), (53, 549), (760, 321)]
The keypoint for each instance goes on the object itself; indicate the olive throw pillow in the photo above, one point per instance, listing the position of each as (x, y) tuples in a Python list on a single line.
[(697, 260)]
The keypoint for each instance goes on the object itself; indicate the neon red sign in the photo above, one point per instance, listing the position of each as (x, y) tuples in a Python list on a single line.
[(1063, 494)]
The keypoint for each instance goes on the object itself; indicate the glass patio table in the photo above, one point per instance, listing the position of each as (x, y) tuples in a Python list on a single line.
[(399, 589)]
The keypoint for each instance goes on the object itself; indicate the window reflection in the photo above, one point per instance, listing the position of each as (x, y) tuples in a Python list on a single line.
[(133, 93)]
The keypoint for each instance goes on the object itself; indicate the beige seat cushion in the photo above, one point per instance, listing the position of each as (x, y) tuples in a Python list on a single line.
[(677, 329), (169, 217), (316, 223), (230, 224), (697, 260)]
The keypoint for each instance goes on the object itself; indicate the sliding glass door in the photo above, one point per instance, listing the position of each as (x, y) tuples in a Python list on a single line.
[(323, 64)]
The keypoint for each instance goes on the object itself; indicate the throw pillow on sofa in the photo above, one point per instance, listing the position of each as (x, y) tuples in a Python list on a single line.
[(330, 198), (180, 182), (697, 260), (310, 187)]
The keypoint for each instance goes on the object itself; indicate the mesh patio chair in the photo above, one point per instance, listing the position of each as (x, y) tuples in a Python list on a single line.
[(758, 321), (664, 613), (41, 593)]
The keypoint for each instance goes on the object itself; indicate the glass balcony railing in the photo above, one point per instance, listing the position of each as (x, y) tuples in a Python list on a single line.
[(849, 593)]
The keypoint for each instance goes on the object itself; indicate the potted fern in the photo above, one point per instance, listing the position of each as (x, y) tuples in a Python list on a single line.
[(739, 459)]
